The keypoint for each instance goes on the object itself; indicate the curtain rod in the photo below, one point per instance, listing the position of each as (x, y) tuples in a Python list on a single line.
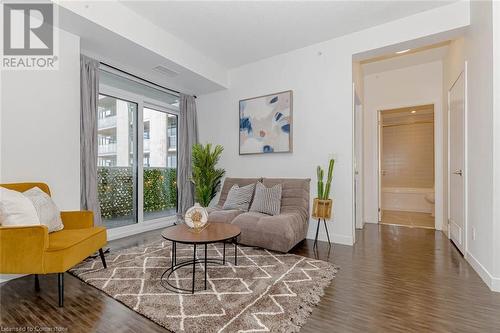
[(140, 78)]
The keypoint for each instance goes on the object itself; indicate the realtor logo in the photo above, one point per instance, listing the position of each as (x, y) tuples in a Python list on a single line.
[(28, 29), (28, 36)]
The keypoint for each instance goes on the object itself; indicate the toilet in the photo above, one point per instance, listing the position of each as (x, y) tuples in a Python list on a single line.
[(430, 198)]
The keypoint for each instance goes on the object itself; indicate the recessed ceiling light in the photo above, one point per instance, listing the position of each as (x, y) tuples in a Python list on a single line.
[(413, 111), (403, 51)]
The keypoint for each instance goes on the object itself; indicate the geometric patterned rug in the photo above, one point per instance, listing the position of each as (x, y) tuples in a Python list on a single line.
[(266, 291)]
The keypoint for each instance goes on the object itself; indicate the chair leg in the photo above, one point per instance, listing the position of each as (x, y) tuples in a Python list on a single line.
[(103, 259), (37, 283), (60, 286)]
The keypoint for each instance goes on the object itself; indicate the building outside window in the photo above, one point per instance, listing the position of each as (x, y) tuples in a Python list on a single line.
[(172, 161)]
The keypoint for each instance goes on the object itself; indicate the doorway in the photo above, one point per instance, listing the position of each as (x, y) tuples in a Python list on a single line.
[(358, 162), (406, 166)]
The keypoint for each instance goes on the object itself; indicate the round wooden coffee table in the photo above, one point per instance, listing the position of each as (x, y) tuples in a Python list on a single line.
[(213, 233)]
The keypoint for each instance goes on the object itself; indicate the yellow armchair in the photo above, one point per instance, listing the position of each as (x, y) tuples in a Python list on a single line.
[(32, 250)]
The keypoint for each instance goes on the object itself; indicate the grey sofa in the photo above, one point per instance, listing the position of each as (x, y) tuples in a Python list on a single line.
[(280, 232)]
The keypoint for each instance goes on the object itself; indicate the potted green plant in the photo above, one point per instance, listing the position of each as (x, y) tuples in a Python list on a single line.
[(206, 177), (322, 204)]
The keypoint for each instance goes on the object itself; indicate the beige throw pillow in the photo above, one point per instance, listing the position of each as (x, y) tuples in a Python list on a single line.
[(16, 209), (239, 197), (46, 209), (267, 200)]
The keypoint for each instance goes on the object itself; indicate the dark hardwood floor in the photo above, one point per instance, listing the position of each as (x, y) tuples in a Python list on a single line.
[(395, 279)]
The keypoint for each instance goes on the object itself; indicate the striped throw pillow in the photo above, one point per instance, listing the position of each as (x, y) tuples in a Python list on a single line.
[(239, 197), (267, 200)]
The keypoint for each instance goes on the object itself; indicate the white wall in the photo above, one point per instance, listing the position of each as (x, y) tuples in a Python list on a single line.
[(40, 126), (496, 124), (479, 55), (320, 128), (321, 79), (358, 79), (404, 87), (481, 50)]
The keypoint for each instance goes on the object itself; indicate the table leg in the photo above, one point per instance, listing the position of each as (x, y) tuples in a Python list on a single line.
[(235, 252), (194, 267), (175, 253), (224, 253), (172, 252), (205, 266)]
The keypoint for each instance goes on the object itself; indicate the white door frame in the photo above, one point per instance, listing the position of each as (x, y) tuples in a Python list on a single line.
[(466, 168), (357, 162), (379, 164), (353, 207)]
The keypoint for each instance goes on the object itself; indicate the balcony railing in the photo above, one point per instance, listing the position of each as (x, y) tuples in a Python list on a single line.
[(107, 122), (110, 148)]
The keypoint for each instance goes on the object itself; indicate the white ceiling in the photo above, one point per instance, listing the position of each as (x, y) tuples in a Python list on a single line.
[(234, 33), (113, 49)]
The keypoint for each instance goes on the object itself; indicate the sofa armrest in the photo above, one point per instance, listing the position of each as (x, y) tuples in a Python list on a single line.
[(78, 219), (22, 249)]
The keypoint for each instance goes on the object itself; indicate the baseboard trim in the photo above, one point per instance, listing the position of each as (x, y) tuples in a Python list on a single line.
[(492, 282), (8, 277), (369, 219), (337, 239), (495, 284), (130, 230), (342, 239)]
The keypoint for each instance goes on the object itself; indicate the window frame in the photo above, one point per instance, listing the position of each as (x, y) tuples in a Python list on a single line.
[(142, 102)]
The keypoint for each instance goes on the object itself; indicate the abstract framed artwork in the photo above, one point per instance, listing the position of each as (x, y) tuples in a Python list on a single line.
[(266, 124)]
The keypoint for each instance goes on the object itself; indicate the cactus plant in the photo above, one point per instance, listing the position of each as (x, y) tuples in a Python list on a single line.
[(324, 191), (319, 172)]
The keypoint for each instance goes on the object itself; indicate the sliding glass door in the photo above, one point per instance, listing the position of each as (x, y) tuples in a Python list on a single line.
[(117, 160), (159, 163), (137, 152)]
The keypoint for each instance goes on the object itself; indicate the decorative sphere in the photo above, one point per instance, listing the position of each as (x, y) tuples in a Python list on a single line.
[(196, 216)]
